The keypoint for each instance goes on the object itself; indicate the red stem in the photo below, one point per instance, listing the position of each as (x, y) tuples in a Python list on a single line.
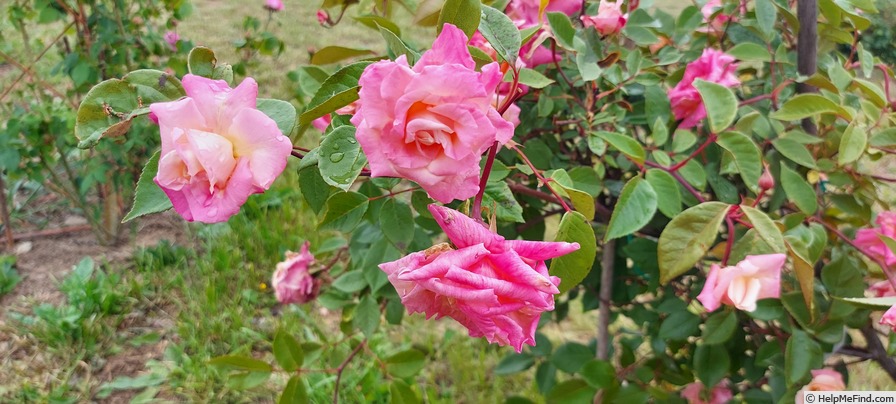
[(540, 177), (877, 260), (709, 140)]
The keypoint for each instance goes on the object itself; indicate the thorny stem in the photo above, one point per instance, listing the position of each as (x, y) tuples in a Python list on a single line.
[(342, 367)]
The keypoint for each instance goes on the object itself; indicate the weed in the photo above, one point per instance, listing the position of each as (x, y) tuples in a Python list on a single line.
[(9, 277)]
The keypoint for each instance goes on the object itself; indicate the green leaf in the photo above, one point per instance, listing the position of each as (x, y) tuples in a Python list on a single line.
[(109, 107), (351, 282), (148, 198), (746, 156), (395, 220), (657, 107), (498, 195), (402, 393), (636, 206), (794, 151), (562, 28), (376, 22), (343, 211), (798, 190), (340, 158), (750, 52), (333, 54), (571, 391), (335, 92), (367, 315), (806, 105), (886, 137), (766, 228), (533, 78), (405, 363), (571, 356), (241, 363), (282, 112), (679, 326), (625, 144), (688, 237), (287, 351), (719, 328), (294, 393), (599, 374), (873, 303), (464, 14), (852, 144), (201, 61), (514, 363), (805, 275), (575, 266), (501, 33), (711, 363), (582, 201), (801, 356), (398, 46), (766, 14), (721, 102), (665, 184)]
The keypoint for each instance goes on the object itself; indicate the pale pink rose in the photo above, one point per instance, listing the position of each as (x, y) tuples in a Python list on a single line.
[(431, 123), (756, 277), (273, 5), (322, 17), (496, 288), (713, 66), (524, 13), (868, 239), (292, 282), (694, 393), (822, 380), (217, 148), (323, 122), (609, 19), (171, 38), (882, 289), (716, 24), (889, 318)]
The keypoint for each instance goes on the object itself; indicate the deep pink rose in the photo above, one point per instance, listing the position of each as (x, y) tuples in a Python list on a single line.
[(524, 14), (713, 66), (323, 122), (431, 123), (882, 289), (889, 318), (273, 5), (868, 239), (171, 38), (217, 148), (822, 380), (496, 288), (716, 24), (322, 17), (292, 282), (609, 19), (694, 393), (756, 277)]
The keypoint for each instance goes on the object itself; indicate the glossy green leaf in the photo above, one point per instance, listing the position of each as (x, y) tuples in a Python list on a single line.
[(635, 208), (794, 151), (748, 51), (533, 78), (766, 14), (367, 315), (333, 54), (340, 157), (405, 363), (395, 221), (746, 156), (514, 363), (376, 22), (711, 363), (501, 33), (148, 197), (852, 144), (335, 92), (801, 356), (498, 196), (798, 190), (722, 104), (343, 211), (398, 47), (765, 228), (562, 28), (807, 105), (688, 237), (282, 112), (464, 14), (598, 374), (571, 356), (401, 393), (287, 351), (201, 61), (575, 266), (582, 201), (665, 186), (625, 144), (294, 392), (679, 326), (873, 303), (719, 328), (571, 391)]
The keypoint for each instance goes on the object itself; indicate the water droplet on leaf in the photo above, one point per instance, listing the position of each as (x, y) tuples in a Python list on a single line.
[(336, 157)]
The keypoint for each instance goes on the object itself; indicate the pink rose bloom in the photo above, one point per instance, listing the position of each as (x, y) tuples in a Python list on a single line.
[(868, 239), (496, 288), (882, 289), (524, 14), (217, 149), (171, 37), (292, 282), (322, 17), (717, 23), (431, 123), (323, 122), (609, 19), (273, 5), (713, 66), (756, 277), (822, 380), (889, 318), (694, 393)]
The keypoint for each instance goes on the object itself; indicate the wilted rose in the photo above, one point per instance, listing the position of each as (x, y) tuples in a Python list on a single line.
[(292, 282)]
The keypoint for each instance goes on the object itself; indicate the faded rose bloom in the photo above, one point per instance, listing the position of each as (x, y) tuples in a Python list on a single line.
[(431, 123), (713, 66), (171, 38), (273, 5), (217, 148), (822, 380), (694, 393), (609, 19), (496, 288), (868, 239), (323, 122), (292, 282), (756, 277), (882, 289)]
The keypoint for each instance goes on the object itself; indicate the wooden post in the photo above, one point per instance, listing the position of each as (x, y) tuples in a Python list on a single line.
[(4, 216), (807, 50)]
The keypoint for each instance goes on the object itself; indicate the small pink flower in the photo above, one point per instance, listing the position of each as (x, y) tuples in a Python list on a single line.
[(756, 277), (322, 17), (695, 392), (882, 289), (524, 13), (822, 380), (609, 19), (323, 122), (273, 5), (889, 318), (292, 282), (717, 23), (868, 239), (496, 288), (713, 66), (171, 38), (217, 148), (431, 123)]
